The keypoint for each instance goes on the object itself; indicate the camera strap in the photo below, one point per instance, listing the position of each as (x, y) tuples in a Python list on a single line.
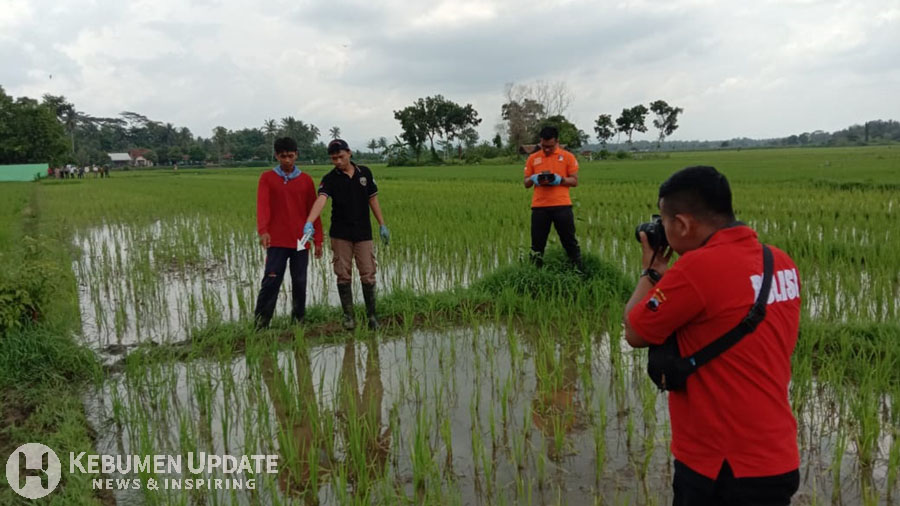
[(747, 325)]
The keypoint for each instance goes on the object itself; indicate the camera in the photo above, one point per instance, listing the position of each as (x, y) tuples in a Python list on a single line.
[(656, 234), (546, 177)]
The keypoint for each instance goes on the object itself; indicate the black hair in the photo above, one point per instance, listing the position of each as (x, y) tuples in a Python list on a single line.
[(285, 144), (701, 191), (549, 132)]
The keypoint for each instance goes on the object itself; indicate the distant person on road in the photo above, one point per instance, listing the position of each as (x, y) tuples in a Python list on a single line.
[(284, 198), (551, 171), (353, 192), (734, 436)]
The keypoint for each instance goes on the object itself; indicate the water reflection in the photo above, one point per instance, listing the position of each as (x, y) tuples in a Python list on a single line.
[(556, 408), (297, 415), (359, 417), (466, 416)]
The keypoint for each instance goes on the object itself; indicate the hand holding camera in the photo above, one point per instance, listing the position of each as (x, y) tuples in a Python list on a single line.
[(655, 245), (548, 178), (656, 234)]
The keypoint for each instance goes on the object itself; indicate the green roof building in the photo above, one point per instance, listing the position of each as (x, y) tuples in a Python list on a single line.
[(24, 172)]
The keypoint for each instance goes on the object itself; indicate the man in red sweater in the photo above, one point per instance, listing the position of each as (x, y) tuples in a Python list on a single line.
[(284, 198)]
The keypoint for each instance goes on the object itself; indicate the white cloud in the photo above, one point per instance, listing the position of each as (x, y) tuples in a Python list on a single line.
[(757, 69), (455, 13), (14, 13)]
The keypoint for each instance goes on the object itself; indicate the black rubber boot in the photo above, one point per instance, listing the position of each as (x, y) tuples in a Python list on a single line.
[(578, 264), (369, 296), (262, 322), (345, 291)]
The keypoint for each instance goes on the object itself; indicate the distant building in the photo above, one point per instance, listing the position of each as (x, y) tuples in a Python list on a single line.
[(133, 158), (23, 172), (120, 159)]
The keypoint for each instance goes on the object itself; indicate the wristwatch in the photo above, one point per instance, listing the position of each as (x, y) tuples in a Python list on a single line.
[(653, 274)]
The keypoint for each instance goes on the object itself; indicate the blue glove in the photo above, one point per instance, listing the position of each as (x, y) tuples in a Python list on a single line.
[(308, 228), (385, 234), (534, 179), (556, 180)]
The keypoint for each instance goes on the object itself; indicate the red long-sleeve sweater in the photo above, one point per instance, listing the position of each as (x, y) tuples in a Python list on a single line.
[(281, 209)]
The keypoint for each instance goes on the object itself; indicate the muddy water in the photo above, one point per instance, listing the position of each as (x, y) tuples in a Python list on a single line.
[(157, 283), (482, 416)]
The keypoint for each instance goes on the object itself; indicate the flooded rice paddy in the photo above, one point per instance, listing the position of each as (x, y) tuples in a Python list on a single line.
[(482, 410), (484, 415)]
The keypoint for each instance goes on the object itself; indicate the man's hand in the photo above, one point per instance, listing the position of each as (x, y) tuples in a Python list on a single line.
[(556, 180), (385, 234), (317, 252), (656, 260), (534, 179), (265, 240), (309, 228)]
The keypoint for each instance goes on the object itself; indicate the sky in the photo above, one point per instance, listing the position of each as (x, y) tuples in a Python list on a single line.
[(759, 69)]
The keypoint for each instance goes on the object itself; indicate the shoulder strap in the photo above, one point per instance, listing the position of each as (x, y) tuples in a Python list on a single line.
[(748, 324)]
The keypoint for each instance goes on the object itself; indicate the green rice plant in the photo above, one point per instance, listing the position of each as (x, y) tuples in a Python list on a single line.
[(151, 266)]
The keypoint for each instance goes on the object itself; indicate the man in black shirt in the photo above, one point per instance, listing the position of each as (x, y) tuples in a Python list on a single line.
[(353, 192)]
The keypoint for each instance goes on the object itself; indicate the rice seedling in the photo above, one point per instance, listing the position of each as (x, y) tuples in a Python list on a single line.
[(493, 380)]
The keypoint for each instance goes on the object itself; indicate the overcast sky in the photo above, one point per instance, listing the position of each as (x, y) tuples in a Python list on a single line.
[(759, 68)]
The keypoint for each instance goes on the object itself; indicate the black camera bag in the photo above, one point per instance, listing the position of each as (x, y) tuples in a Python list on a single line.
[(670, 371)]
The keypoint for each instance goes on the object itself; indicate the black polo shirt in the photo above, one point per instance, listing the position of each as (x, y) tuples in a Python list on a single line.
[(349, 203)]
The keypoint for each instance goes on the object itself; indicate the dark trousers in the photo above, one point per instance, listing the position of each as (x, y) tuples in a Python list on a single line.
[(276, 262), (693, 489), (562, 218)]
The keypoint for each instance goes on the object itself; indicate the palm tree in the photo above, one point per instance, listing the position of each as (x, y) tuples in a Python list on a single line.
[(372, 145), (220, 135), (288, 125), (70, 120), (270, 128), (335, 132), (169, 133)]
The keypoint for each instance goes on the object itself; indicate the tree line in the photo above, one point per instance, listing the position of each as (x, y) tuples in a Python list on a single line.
[(873, 132), (526, 110), (52, 130)]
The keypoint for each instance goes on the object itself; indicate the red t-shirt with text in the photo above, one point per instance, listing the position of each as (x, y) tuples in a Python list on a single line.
[(736, 406)]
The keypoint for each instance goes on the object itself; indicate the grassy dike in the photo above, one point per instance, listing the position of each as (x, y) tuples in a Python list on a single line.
[(42, 370)]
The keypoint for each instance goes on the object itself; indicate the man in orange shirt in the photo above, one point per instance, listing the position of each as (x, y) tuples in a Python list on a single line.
[(552, 171)]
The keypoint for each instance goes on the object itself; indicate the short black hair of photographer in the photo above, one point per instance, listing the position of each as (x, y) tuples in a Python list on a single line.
[(700, 191)]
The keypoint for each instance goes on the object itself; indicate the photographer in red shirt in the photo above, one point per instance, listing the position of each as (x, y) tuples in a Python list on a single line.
[(734, 437)]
